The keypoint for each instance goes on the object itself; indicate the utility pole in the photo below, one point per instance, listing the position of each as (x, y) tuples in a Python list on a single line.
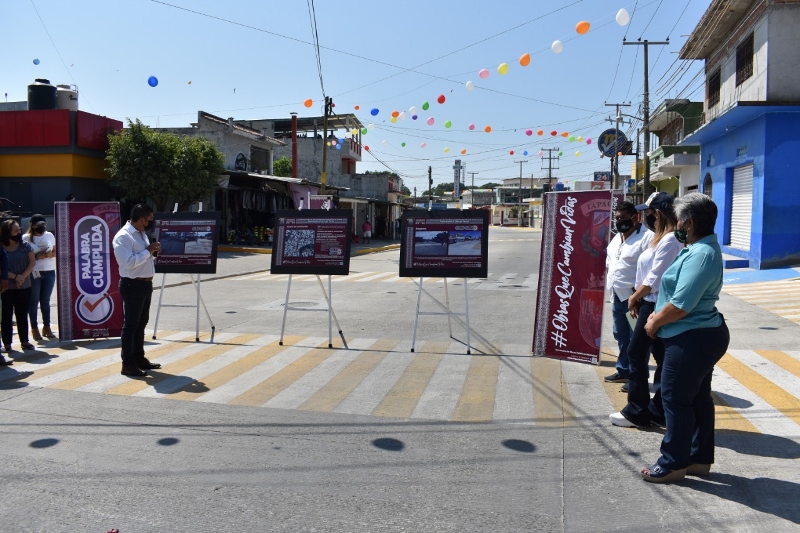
[(615, 158), (472, 189), (415, 197), (550, 166), (519, 213), (328, 106), (430, 189), (646, 111)]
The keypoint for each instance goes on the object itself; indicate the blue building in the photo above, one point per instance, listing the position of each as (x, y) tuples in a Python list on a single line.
[(750, 136)]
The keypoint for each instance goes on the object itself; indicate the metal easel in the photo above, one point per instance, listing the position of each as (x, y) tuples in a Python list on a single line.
[(331, 315), (447, 311), (198, 301)]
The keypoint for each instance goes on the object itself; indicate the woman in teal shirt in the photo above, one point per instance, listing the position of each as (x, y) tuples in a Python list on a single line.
[(695, 338)]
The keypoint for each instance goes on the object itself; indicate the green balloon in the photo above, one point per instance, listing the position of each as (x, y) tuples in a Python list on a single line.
[(560, 153), (571, 138), (403, 145), (448, 124), (425, 106), (363, 131)]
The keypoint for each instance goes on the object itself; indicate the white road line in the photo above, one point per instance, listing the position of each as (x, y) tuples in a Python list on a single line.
[(247, 380), (376, 276), (591, 403), (776, 374), (304, 388), (201, 370), (350, 277), (440, 397), (747, 403), (513, 399), (369, 393)]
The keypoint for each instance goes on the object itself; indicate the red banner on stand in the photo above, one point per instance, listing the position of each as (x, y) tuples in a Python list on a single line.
[(89, 303), (569, 305)]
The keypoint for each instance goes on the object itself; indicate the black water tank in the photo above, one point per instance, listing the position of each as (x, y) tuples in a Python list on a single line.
[(42, 95)]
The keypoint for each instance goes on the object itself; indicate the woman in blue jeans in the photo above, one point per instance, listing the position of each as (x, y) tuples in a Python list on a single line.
[(43, 278), (695, 337)]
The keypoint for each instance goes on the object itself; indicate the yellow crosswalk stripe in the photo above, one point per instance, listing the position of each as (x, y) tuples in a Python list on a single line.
[(726, 418), (476, 402), (225, 374), (552, 405), (108, 370), (333, 393), (782, 359), (264, 391), (53, 368), (173, 369), (774, 395), (401, 400)]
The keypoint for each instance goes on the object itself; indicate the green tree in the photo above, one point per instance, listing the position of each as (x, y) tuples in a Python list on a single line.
[(163, 167), (282, 167), (406, 191)]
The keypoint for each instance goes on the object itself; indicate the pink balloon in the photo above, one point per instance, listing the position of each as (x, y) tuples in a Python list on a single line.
[(588, 141), (430, 121), (472, 126), (423, 145), (484, 73), (541, 154), (528, 132)]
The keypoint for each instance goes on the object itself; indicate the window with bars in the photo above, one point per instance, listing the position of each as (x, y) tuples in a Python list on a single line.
[(744, 60), (713, 89)]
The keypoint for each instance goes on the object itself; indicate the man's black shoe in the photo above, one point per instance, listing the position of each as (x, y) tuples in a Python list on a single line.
[(147, 365), (132, 371), (615, 378)]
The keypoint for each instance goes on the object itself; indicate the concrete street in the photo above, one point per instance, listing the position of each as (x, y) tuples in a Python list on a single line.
[(242, 433)]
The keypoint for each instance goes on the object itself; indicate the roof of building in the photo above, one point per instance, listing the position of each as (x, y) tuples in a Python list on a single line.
[(307, 124), (715, 26), (238, 128)]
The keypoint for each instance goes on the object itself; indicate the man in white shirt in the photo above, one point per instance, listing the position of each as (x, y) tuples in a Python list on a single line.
[(621, 256), (134, 253)]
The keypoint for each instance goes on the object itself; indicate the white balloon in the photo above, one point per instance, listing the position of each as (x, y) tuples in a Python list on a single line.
[(402, 115), (370, 127), (348, 135), (384, 142), (412, 110), (557, 47), (623, 18), (470, 85)]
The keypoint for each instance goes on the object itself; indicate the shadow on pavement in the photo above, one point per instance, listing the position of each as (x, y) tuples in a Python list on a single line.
[(766, 495), (759, 444)]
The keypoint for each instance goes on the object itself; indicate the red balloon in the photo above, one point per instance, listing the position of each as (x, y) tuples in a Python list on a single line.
[(440, 99), (511, 152), (554, 133), (366, 148)]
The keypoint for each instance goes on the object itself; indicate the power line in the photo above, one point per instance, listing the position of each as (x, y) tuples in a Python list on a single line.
[(312, 15)]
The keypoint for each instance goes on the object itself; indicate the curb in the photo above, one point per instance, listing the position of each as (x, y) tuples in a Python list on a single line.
[(364, 251), (243, 249)]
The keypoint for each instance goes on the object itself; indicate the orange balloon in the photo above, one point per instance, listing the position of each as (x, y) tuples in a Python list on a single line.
[(464, 151), (564, 134), (540, 132), (395, 114), (487, 129), (525, 59), (582, 27), (356, 108), (309, 102)]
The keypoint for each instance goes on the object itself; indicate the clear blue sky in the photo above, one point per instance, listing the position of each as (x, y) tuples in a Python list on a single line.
[(254, 59)]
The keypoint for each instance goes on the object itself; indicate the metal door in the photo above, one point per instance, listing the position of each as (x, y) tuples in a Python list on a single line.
[(741, 207)]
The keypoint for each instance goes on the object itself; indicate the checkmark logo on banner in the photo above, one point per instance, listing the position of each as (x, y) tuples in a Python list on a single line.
[(92, 306)]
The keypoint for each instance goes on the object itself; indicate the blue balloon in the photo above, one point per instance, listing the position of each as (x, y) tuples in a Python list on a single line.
[(525, 152), (374, 111), (338, 146), (413, 117), (152, 81), (36, 61)]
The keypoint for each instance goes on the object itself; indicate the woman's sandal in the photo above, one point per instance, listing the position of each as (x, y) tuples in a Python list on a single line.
[(657, 474), (698, 469)]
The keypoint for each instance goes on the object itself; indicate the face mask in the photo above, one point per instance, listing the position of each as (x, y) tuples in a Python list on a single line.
[(624, 226), (681, 235), (650, 222), (39, 231), (17, 237)]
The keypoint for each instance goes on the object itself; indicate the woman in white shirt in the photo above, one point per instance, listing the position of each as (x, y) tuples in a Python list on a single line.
[(641, 410), (43, 278)]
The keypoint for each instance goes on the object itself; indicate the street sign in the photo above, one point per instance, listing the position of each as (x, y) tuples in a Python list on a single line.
[(611, 141)]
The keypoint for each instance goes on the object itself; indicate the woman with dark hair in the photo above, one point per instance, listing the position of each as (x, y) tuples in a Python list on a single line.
[(17, 298), (659, 255), (695, 337), (43, 278)]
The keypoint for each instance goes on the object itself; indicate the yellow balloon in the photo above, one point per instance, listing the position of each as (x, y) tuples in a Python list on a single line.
[(502, 68), (577, 154), (394, 119), (446, 150), (580, 139)]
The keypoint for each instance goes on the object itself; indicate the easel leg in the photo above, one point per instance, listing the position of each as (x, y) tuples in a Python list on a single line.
[(197, 310), (466, 305), (205, 309), (416, 316), (158, 309), (329, 299), (447, 304), (285, 309)]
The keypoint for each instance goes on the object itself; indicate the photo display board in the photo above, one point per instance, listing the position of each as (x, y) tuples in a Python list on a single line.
[(445, 244), (312, 241), (188, 242)]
